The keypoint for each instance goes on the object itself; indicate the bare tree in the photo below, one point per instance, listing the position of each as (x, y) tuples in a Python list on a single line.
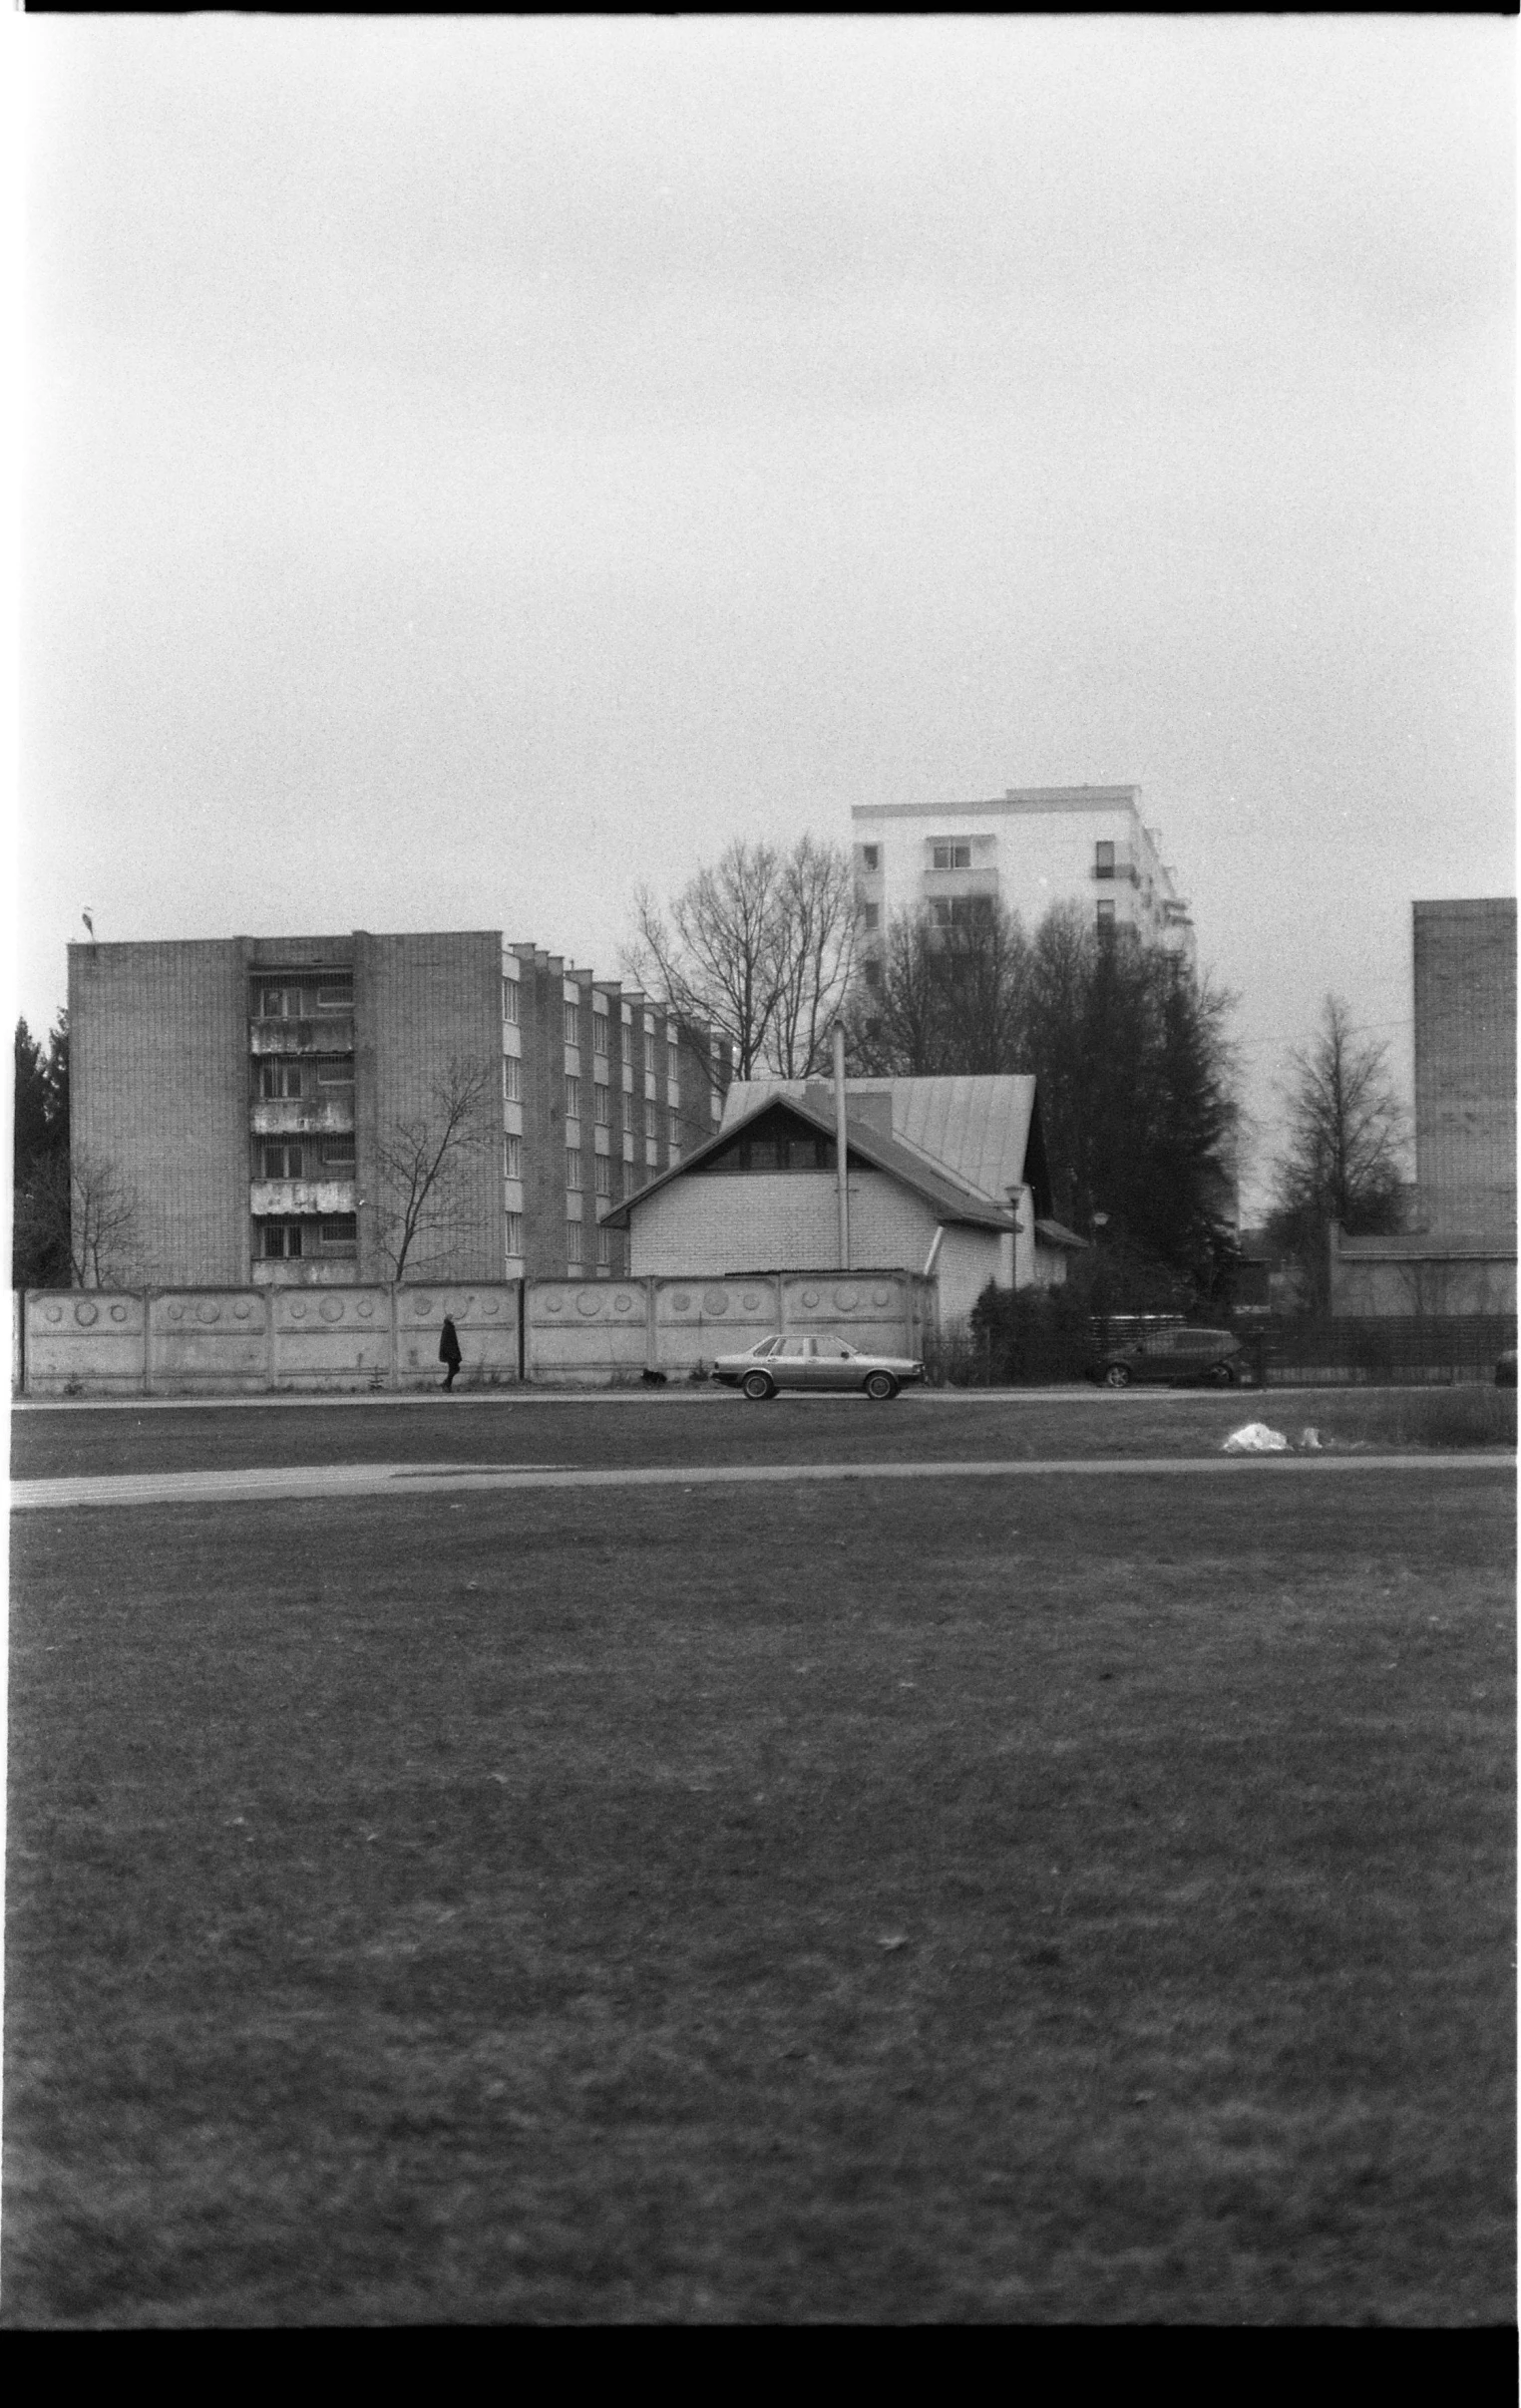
[(758, 948), (78, 1209), (1343, 1156), (423, 1164), (815, 956)]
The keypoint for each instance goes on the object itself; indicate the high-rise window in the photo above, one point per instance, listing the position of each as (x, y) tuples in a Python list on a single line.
[(512, 1156), (951, 856), (870, 915), (280, 1240), (283, 1161), (513, 1235), (338, 1153), (1106, 915), (674, 1128), (340, 1233), (599, 1103), (512, 1078), (870, 857), (337, 1070), (573, 1168), (1103, 859), (603, 1247), (510, 1001), (673, 1063), (279, 1079), (572, 1242), (572, 1025), (604, 1175), (599, 1033), (633, 1116), (572, 1098)]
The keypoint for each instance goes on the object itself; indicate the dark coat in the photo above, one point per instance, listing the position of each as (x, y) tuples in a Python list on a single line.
[(449, 1344)]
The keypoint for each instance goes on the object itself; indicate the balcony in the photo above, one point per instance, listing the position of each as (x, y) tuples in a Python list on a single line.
[(298, 1116), (332, 1034), (295, 1196), (1122, 871)]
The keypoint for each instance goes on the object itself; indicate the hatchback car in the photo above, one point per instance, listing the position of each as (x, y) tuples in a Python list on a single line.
[(1176, 1355), (820, 1366)]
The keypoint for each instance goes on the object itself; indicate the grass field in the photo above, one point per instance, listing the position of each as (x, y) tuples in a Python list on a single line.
[(1078, 1904)]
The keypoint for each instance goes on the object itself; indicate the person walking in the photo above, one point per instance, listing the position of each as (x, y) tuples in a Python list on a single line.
[(449, 1350)]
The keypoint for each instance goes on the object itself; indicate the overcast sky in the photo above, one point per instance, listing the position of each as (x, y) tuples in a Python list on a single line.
[(475, 465)]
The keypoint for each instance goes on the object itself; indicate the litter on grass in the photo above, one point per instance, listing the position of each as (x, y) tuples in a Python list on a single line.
[(1255, 1438)]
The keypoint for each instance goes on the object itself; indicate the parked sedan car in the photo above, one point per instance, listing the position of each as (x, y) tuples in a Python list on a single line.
[(1176, 1355), (821, 1366)]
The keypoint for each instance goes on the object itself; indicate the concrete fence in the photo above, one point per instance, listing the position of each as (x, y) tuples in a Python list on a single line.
[(555, 1332)]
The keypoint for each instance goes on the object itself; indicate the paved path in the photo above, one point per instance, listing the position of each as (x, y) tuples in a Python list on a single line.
[(420, 1480), (681, 1392)]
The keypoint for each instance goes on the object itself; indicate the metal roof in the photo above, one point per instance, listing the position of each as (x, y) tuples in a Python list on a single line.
[(953, 1197), (977, 1129)]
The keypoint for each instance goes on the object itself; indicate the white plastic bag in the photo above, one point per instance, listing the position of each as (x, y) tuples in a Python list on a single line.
[(1255, 1438)]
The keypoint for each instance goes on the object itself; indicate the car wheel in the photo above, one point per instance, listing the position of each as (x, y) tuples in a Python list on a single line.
[(1116, 1376), (758, 1386), (882, 1386), (1219, 1375)]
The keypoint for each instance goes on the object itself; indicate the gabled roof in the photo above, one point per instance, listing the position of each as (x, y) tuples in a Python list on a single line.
[(977, 1129), (952, 1199)]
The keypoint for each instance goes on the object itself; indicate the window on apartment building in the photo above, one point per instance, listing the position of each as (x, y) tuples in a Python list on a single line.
[(337, 1071), (280, 1240), (633, 1116), (335, 995), (1103, 858), (604, 1248), (600, 1034), (572, 1024), (283, 1161), (572, 1098), (870, 971), (673, 1064), (572, 1242), (951, 856), (511, 1079), (573, 1168), (340, 1233), (512, 1156), (962, 910), (279, 1079), (510, 1001), (1106, 915), (338, 1153), (599, 1103), (674, 1128), (871, 857), (871, 916), (513, 1222), (605, 1174)]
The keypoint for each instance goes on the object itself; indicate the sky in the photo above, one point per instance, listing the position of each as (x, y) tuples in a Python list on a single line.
[(472, 467)]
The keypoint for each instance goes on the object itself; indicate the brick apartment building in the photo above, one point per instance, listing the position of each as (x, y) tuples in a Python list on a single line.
[(1033, 847), (254, 1093)]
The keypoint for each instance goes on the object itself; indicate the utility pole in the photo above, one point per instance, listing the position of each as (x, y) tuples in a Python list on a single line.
[(840, 1150)]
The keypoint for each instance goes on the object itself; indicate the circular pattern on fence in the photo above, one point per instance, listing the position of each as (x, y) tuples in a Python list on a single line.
[(622, 1304), (589, 1302), (331, 1309), (681, 1303), (119, 1312), (365, 1308), (555, 1304), (55, 1312), (241, 1311), (492, 1304), (208, 1312), (298, 1313), (85, 1315), (715, 1300), (422, 1304), (846, 1298), (882, 1295), (810, 1297), (177, 1313), (751, 1301)]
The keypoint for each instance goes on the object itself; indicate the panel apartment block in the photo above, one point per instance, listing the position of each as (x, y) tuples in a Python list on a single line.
[(1465, 1066), (1032, 848), (157, 1091), (428, 1014)]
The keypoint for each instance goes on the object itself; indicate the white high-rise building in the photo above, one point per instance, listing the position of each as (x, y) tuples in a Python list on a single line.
[(1033, 846)]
